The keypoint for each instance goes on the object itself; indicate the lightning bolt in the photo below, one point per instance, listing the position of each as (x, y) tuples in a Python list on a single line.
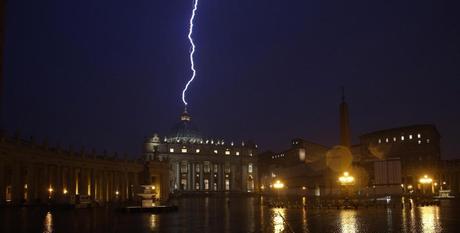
[(192, 51)]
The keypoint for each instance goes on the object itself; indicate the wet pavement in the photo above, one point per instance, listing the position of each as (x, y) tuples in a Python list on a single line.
[(235, 214)]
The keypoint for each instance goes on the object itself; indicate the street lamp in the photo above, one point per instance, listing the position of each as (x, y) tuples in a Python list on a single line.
[(278, 185), (346, 179), (425, 180), (50, 191)]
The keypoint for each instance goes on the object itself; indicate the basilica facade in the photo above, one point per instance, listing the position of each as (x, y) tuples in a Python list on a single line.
[(201, 165)]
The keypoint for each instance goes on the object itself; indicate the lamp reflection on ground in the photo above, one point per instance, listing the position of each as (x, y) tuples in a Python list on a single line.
[(429, 216), (278, 221), (348, 221), (48, 223), (304, 214), (153, 222)]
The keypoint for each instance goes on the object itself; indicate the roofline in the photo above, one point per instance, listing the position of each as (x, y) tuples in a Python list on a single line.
[(432, 126)]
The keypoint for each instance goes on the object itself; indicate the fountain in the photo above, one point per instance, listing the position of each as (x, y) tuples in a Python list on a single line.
[(149, 202), (148, 196)]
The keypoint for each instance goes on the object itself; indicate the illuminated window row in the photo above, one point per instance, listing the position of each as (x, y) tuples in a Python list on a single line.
[(208, 141), (277, 156), (402, 138), (185, 150)]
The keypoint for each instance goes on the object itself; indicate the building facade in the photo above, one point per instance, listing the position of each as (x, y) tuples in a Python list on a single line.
[(202, 165), (416, 146)]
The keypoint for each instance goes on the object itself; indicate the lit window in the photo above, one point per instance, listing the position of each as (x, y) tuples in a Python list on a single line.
[(250, 168), (250, 154), (197, 151), (419, 141), (183, 150), (410, 136), (197, 168), (227, 152), (386, 140), (215, 151), (428, 141), (215, 168), (402, 138), (238, 153), (419, 136), (380, 141), (171, 150), (394, 139)]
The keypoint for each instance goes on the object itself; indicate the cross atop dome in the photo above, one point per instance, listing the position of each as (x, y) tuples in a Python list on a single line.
[(185, 116)]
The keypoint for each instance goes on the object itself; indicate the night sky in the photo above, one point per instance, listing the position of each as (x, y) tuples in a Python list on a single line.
[(107, 73)]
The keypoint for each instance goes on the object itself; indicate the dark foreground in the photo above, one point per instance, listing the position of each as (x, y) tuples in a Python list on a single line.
[(235, 214)]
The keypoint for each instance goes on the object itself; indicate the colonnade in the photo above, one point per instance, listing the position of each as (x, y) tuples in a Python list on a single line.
[(22, 182)]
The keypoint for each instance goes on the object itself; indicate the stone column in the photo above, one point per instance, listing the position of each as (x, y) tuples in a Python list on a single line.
[(84, 181), (189, 176), (202, 176), (59, 187), (31, 183), (221, 176), (178, 177), (71, 187), (105, 186), (110, 191), (2, 182), (42, 186), (16, 196), (92, 183), (123, 186)]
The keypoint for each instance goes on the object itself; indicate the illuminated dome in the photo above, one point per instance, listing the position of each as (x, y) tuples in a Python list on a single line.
[(185, 131)]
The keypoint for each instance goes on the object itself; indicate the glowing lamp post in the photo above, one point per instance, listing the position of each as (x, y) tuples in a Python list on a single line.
[(346, 180), (278, 185), (50, 192), (425, 180)]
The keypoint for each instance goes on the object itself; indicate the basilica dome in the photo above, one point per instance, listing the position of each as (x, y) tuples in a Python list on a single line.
[(185, 131)]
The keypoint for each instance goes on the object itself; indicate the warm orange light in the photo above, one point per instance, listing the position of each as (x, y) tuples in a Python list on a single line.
[(425, 180), (117, 193), (278, 185), (346, 179), (50, 189), (304, 188)]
